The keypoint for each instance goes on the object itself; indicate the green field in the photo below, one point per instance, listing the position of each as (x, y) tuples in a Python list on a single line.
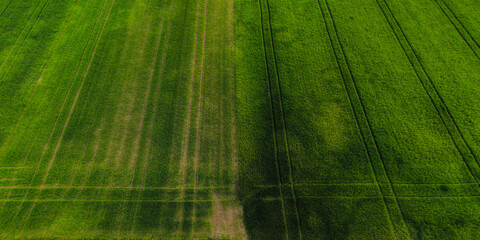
[(239, 119)]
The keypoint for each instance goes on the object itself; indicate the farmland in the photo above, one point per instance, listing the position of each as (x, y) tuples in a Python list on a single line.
[(118, 120), (239, 119), (368, 113)]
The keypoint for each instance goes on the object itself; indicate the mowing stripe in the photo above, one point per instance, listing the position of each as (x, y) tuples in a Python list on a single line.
[(376, 160), (464, 33), (272, 109), (284, 127), (442, 109), (199, 119)]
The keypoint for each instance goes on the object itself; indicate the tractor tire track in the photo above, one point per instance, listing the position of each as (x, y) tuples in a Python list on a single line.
[(464, 149), (144, 110), (199, 119), (30, 95), (368, 137), (76, 96), (357, 120), (461, 29), (21, 44), (18, 36), (186, 133), (4, 148), (68, 93), (70, 112), (157, 91), (283, 122), (58, 116), (5, 9), (272, 109), (145, 104)]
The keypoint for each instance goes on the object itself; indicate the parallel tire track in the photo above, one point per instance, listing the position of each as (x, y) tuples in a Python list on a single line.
[(67, 94), (30, 95), (461, 29), (186, 133), (72, 107), (145, 103), (58, 116), (18, 36), (199, 119), (284, 121), (21, 44), (430, 89), (157, 91), (5, 9), (4, 148), (272, 109), (77, 94), (356, 117), (368, 138)]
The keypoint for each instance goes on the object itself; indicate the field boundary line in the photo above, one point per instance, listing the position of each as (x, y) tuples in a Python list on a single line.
[(199, 120), (430, 89), (467, 37), (347, 76), (65, 99), (21, 44), (157, 91), (272, 109), (285, 134), (71, 110)]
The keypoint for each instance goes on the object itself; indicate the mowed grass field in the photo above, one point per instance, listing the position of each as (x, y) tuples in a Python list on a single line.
[(239, 119), (359, 119), (117, 120)]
